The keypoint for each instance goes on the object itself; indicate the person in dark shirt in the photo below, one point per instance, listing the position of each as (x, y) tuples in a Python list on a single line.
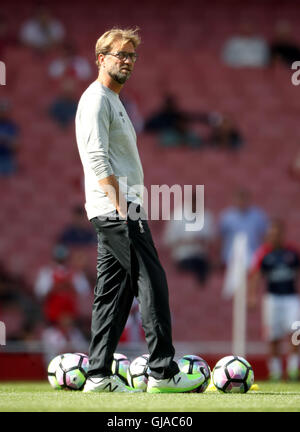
[(165, 118), (9, 132), (278, 263), (78, 232), (283, 48), (225, 134), (18, 308), (63, 108), (174, 128), (173, 125), (7, 38)]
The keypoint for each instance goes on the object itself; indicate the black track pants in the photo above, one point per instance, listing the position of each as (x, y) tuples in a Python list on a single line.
[(128, 266)]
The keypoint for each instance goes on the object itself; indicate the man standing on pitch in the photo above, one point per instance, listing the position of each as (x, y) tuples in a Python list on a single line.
[(128, 264)]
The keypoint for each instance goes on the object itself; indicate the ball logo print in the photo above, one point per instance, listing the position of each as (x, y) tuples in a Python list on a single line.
[(2, 73)]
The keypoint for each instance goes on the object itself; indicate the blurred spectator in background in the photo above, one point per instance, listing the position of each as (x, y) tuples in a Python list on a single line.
[(61, 291), (244, 217), (283, 48), (191, 250), (133, 112), (78, 232), (7, 39), (225, 134), (42, 32), (246, 49), (294, 168), (61, 336), (166, 117), (18, 310), (172, 126), (63, 108), (180, 136), (58, 274), (278, 264), (69, 64), (62, 299), (84, 278), (9, 132)]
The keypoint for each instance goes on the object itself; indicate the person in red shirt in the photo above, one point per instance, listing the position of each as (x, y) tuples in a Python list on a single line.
[(277, 262)]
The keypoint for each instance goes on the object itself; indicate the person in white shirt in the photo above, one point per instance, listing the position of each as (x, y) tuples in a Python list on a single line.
[(42, 32), (61, 337), (242, 216), (246, 49), (190, 250), (128, 265), (70, 64)]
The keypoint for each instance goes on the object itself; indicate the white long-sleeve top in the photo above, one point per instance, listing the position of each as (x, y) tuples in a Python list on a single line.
[(106, 142)]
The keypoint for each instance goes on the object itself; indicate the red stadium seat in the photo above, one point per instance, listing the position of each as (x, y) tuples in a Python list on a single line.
[(187, 63)]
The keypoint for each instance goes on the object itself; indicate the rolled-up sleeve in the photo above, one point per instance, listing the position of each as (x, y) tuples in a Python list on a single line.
[(96, 119)]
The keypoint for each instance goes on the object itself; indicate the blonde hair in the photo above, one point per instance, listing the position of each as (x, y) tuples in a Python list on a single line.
[(104, 43)]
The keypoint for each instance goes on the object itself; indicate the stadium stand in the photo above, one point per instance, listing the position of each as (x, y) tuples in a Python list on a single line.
[(180, 54)]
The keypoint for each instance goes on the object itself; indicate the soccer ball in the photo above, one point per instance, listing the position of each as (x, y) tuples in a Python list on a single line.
[(53, 365), (120, 366), (138, 372), (191, 364), (71, 371), (233, 374)]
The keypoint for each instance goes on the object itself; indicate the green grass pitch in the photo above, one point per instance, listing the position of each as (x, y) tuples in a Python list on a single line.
[(40, 397)]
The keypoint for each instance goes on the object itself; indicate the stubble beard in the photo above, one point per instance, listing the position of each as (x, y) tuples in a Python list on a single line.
[(119, 77)]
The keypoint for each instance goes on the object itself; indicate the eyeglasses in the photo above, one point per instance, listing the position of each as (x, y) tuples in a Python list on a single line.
[(123, 55)]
